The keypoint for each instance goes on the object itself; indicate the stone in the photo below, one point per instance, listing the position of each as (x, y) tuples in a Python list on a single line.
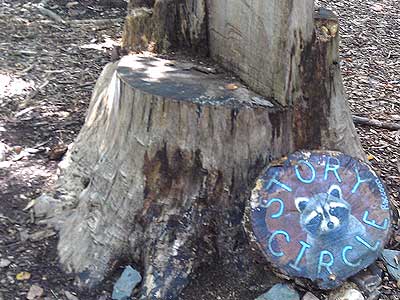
[(24, 235), (3, 151), (376, 269), (321, 215), (124, 286), (71, 4), (346, 292), (375, 295), (4, 263), (367, 281), (391, 259), (377, 7), (45, 206), (70, 296), (280, 291), (35, 292), (309, 296)]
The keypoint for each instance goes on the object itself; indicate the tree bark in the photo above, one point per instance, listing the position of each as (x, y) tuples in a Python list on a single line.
[(162, 169)]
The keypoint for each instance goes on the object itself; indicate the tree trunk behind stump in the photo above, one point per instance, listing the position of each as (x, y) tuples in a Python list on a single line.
[(160, 173)]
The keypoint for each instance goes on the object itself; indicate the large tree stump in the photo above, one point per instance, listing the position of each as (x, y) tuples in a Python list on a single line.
[(161, 172)]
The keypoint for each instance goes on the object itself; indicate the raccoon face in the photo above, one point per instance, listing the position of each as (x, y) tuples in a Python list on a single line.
[(324, 213)]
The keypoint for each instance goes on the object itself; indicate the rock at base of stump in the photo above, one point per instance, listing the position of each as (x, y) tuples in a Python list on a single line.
[(280, 291), (346, 292), (309, 296)]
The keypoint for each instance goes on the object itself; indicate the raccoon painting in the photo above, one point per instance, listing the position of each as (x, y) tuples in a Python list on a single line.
[(330, 226)]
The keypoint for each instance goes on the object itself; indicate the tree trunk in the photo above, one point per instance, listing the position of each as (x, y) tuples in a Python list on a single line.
[(162, 169)]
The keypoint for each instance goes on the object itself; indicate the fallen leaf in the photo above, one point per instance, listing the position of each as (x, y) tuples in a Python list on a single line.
[(58, 151), (23, 276), (370, 157), (231, 86), (17, 149)]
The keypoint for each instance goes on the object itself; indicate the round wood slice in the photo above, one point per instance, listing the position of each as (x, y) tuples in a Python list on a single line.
[(320, 215)]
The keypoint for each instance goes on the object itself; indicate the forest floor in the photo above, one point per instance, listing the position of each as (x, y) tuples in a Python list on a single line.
[(47, 72)]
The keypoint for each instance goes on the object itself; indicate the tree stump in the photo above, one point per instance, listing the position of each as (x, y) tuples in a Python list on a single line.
[(171, 160), (163, 167), (320, 215)]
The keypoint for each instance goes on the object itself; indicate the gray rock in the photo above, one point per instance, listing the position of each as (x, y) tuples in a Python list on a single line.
[(71, 4), (367, 281), (126, 283), (4, 263), (346, 292), (375, 295), (70, 296), (309, 296), (279, 292), (391, 259), (375, 270), (24, 235), (3, 151), (45, 206)]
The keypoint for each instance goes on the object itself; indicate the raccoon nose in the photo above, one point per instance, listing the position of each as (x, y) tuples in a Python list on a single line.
[(330, 225)]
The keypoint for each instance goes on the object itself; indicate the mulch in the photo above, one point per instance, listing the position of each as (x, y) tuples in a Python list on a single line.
[(48, 70)]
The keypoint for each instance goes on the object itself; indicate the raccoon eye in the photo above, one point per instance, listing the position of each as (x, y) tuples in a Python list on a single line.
[(332, 211)]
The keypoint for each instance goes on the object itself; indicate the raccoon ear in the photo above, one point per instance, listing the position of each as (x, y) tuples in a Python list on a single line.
[(301, 203), (335, 191)]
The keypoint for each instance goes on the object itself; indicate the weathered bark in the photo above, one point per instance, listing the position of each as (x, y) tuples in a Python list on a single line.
[(262, 41), (161, 171), (169, 164), (271, 45), (161, 25)]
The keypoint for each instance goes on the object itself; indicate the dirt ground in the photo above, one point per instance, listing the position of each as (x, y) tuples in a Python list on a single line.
[(47, 72)]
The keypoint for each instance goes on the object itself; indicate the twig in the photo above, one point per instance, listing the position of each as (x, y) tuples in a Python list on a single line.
[(54, 71), (65, 82), (36, 91), (375, 123), (26, 52), (53, 294), (86, 84), (26, 70), (8, 219), (24, 111), (48, 13), (96, 22), (41, 144)]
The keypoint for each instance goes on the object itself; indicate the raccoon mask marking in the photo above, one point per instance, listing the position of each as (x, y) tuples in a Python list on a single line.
[(325, 213), (330, 226)]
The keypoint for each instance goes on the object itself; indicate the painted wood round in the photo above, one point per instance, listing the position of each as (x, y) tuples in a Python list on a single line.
[(320, 215)]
